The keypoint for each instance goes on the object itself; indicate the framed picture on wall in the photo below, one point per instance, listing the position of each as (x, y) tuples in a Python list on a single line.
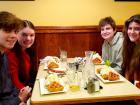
[(16, 0), (128, 0)]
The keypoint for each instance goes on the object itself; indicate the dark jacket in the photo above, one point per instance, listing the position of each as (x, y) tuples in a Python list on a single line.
[(8, 92)]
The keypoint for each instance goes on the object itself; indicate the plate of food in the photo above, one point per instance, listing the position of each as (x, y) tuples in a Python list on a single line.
[(96, 59), (51, 62), (53, 65), (57, 71), (108, 75), (52, 85)]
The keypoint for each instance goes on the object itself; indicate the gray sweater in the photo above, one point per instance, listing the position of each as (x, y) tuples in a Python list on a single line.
[(113, 51)]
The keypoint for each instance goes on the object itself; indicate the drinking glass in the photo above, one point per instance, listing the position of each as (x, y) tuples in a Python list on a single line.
[(88, 54), (73, 78), (63, 56)]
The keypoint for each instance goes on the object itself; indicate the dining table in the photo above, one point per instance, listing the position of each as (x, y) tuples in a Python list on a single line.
[(110, 91)]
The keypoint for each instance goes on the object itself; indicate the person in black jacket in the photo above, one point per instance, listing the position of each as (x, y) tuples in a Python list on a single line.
[(9, 95)]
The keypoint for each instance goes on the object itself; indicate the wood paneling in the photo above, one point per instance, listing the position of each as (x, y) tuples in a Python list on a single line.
[(74, 39)]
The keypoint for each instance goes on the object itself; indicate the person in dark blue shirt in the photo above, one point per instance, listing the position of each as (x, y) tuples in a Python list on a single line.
[(9, 95)]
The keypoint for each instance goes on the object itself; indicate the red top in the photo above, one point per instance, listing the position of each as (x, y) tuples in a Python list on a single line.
[(14, 67)]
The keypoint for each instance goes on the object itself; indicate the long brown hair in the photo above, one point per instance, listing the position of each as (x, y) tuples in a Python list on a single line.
[(128, 46), (135, 63), (31, 52)]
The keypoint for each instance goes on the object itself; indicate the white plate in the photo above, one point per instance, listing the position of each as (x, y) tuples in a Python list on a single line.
[(121, 79), (44, 90), (60, 70), (50, 59)]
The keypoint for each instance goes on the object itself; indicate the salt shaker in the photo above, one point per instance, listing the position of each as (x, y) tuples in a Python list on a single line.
[(97, 85), (90, 86)]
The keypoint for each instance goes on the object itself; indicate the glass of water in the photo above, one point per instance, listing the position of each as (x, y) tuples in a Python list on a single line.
[(88, 54), (63, 56)]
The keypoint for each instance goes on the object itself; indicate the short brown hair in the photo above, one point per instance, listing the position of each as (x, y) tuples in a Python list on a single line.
[(9, 22), (107, 20)]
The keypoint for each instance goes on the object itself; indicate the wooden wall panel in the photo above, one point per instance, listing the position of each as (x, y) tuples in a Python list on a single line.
[(74, 39)]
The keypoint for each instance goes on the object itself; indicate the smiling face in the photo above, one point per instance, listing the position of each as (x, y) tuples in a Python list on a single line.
[(107, 32), (7, 39), (134, 32), (26, 37)]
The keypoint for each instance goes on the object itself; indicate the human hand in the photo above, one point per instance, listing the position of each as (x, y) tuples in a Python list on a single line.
[(22, 103), (25, 93)]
